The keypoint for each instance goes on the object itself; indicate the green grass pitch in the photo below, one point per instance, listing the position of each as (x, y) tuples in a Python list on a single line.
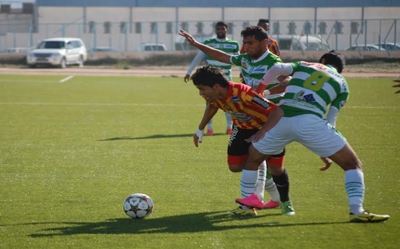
[(71, 152)]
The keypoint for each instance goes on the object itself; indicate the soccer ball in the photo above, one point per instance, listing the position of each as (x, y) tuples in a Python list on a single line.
[(138, 206)]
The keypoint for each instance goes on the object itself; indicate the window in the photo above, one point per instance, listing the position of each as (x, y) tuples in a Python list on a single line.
[(153, 28), (200, 26), (322, 28), (307, 28), (92, 27), (339, 27), (138, 28), (107, 27), (292, 28), (185, 26), (276, 28), (354, 28), (122, 27), (230, 28), (169, 28)]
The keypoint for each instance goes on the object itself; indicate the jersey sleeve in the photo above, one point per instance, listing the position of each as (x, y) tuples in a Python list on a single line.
[(343, 95), (236, 59), (274, 48)]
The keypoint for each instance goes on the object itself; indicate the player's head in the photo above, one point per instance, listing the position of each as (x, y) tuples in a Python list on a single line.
[(209, 76), (221, 28), (254, 41), (263, 23), (211, 82), (254, 31), (334, 59)]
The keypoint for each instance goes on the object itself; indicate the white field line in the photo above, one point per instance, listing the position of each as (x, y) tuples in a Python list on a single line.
[(158, 105), (66, 79)]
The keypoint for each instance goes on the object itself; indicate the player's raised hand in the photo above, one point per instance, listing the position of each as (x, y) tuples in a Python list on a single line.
[(186, 78), (189, 38)]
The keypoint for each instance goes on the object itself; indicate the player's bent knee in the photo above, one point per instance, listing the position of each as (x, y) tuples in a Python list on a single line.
[(235, 168)]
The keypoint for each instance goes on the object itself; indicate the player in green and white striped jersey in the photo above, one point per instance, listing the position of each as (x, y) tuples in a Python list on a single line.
[(313, 88), (221, 42)]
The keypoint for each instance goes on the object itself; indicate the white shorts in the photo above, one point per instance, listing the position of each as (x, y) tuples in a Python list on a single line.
[(309, 130)]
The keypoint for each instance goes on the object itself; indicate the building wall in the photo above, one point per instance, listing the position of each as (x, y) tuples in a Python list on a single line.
[(59, 20)]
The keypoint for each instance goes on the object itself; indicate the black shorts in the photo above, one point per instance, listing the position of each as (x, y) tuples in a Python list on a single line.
[(237, 146)]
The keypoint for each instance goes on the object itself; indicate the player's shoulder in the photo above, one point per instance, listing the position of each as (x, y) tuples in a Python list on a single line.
[(272, 40), (210, 40)]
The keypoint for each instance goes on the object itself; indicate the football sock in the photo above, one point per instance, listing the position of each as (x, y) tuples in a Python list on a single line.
[(354, 182), (260, 185), (270, 187), (229, 121), (209, 125), (248, 182), (282, 184)]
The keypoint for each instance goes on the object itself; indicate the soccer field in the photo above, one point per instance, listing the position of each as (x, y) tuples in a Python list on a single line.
[(71, 151)]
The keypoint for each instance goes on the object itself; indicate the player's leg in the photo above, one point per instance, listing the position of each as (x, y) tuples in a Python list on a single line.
[(229, 123), (348, 160), (237, 154), (271, 187), (324, 140), (209, 131), (272, 143)]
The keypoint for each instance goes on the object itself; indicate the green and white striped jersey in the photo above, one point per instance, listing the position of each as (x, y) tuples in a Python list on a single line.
[(227, 46), (254, 70), (312, 89)]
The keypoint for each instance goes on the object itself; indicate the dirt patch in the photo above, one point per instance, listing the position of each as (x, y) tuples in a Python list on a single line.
[(175, 71)]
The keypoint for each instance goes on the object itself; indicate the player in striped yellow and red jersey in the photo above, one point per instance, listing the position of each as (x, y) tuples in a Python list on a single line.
[(250, 113)]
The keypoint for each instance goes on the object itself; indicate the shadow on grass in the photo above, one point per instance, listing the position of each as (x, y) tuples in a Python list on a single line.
[(189, 223), (154, 136)]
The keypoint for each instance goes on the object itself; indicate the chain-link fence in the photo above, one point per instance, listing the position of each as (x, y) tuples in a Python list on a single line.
[(147, 36)]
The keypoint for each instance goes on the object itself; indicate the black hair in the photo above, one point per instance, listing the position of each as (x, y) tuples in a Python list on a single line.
[(221, 23), (263, 20), (335, 59), (259, 33), (209, 76)]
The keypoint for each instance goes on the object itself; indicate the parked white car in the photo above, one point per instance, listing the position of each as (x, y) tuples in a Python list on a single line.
[(58, 52), (365, 47), (153, 47), (389, 46)]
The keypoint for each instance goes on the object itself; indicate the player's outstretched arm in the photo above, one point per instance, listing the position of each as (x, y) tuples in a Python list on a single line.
[(210, 51), (273, 118), (209, 113)]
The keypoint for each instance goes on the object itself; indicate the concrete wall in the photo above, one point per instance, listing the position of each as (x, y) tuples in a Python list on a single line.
[(74, 21)]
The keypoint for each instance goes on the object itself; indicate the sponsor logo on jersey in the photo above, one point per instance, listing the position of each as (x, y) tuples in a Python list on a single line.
[(241, 116), (260, 101), (235, 99), (309, 97), (231, 46), (260, 69)]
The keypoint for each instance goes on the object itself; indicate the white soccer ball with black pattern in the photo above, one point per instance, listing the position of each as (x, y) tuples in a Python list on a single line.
[(138, 206)]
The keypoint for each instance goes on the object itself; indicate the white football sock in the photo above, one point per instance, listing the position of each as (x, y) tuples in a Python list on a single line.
[(354, 182), (229, 121), (272, 190), (248, 182), (260, 185)]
